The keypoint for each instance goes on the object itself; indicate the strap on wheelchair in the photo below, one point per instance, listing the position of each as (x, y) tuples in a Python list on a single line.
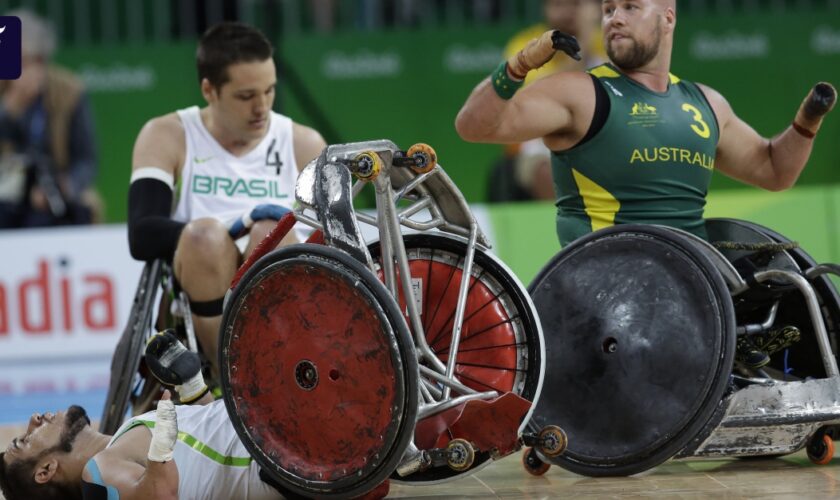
[(755, 247)]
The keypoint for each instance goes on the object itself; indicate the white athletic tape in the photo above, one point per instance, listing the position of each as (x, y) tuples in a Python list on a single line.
[(165, 433), (153, 173)]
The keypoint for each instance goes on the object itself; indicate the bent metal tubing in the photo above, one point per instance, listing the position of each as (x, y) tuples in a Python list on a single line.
[(459, 310), (454, 217), (811, 301), (393, 242)]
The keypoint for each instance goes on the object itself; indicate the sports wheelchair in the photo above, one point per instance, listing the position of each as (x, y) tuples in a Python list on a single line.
[(333, 380), (416, 357), (132, 387), (642, 324)]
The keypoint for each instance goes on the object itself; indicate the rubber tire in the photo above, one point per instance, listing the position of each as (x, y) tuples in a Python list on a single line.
[(669, 443)]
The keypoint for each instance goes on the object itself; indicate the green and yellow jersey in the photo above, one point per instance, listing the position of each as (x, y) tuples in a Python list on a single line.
[(651, 162)]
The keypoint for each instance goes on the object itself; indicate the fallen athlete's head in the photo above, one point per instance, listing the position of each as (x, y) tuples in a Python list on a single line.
[(41, 463), (636, 32), (238, 78)]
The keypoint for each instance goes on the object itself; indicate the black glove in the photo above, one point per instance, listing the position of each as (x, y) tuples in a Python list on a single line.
[(173, 365), (820, 100), (814, 107), (566, 43)]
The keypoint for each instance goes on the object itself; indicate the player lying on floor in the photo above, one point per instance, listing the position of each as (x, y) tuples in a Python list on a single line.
[(185, 451)]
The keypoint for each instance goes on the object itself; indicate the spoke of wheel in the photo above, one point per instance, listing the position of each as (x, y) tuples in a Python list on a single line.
[(464, 377), (485, 330), (481, 365), (448, 282), (497, 346), (447, 328)]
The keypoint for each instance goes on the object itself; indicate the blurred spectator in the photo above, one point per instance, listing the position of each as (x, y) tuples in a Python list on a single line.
[(323, 15), (581, 18), (47, 150), (523, 177)]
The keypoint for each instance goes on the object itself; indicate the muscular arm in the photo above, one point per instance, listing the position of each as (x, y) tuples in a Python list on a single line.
[(559, 105), (308, 144), (160, 143), (772, 164)]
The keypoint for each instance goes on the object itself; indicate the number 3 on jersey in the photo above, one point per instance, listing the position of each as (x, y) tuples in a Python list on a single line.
[(702, 130)]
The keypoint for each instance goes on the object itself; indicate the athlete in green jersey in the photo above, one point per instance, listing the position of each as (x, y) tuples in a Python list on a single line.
[(650, 162), (633, 143)]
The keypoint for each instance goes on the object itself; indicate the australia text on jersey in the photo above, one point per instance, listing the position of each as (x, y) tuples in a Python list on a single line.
[(672, 154), (251, 188)]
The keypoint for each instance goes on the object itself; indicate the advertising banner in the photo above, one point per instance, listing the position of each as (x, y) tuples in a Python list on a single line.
[(64, 292)]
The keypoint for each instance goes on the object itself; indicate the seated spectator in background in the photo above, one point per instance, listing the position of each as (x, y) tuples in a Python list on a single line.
[(524, 177), (509, 181), (47, 150), (579, 18), (323, 15)]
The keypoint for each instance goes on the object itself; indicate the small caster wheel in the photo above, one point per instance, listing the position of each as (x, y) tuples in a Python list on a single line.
[(368, 165), (821, 449), (424, 157), (460, 455), (552, 441), (532, 463)]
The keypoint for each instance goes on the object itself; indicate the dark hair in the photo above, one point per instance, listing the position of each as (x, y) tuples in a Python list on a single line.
[(229, 43), (17, 481)]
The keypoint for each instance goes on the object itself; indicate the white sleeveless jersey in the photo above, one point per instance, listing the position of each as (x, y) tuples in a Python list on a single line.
[(212, 461), (216, 184)]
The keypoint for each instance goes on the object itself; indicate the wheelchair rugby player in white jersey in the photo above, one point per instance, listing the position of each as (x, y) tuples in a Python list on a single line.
[(228, 169), (207, 184)]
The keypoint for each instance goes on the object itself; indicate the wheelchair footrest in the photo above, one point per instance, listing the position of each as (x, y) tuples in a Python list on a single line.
[(491, 425)]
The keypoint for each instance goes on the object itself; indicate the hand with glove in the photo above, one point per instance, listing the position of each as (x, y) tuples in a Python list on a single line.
[(240, 226), (165, 432), (819, 101), (173, 365), (540, 50)]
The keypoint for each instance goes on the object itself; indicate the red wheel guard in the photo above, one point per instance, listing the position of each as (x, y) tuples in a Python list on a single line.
[(284, 225)]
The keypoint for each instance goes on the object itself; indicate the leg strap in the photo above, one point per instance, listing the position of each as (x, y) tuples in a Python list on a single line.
[(207, 308)]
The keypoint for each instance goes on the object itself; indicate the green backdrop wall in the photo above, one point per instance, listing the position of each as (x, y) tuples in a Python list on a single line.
[(409, 85), (525, 238)]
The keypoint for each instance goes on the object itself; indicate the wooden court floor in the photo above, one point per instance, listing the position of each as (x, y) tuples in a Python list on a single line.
[(791, 477)]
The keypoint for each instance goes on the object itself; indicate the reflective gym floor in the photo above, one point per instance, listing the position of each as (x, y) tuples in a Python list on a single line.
[(791, 477)]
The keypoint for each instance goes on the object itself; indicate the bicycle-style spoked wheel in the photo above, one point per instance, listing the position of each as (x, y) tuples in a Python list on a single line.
[(501, 342)]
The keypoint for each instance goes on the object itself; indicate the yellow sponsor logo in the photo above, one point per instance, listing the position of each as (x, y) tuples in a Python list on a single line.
[(672, 155)]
